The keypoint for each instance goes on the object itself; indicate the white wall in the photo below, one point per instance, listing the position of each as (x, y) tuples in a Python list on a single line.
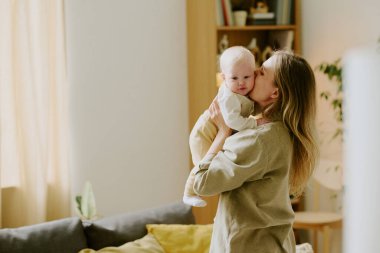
[(129, 113), (329, 29)]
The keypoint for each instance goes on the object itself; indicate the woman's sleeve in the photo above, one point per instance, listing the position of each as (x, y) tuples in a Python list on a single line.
[(243, 159)]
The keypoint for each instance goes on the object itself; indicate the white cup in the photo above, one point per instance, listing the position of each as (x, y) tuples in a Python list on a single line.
[(240, 18)]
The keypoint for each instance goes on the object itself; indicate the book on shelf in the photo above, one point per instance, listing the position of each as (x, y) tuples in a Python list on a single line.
[(219, 13), (265, 15), (251, 21), (227, 12), (284, 12), (281, 12), (267, 18)]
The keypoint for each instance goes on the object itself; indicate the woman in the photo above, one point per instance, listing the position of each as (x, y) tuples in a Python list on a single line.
[(256, 170)]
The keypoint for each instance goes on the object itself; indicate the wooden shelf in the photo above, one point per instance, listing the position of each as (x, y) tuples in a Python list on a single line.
[(256, 28)]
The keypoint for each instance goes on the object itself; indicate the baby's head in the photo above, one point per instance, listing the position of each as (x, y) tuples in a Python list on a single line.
[(237, 65)]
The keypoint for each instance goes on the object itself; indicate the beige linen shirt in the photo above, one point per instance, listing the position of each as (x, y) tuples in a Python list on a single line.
[(251, 174)]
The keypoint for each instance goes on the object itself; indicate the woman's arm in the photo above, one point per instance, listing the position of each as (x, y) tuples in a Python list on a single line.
[(243, 158)]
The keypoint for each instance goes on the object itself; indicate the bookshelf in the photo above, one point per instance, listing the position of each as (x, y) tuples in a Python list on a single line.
[(278, 31), (203, 38), (255, 28)]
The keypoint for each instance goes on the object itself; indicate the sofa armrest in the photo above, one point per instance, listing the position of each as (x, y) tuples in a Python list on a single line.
[(61, 236), (117, 230)]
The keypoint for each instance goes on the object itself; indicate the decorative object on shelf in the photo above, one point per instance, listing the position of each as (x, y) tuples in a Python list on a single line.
[(240, 18), (259, 14), (86, 206), (282, 39), (260, 7), (252, 46), (223, 43), (267, 52)]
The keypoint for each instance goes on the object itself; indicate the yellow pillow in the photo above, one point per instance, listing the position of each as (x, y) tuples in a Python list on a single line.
[(176, 238), (147, 244)]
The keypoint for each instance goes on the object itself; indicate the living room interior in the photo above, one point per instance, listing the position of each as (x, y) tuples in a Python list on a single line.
[(129, 89)]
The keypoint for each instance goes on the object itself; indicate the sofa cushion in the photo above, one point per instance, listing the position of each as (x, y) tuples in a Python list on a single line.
[(147, 244), (61, 236), (178, 238), (119, 229)]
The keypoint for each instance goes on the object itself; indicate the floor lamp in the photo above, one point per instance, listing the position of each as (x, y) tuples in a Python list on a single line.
[(361, 84)]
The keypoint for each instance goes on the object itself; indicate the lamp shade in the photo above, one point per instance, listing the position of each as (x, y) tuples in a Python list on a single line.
[(361, 84)]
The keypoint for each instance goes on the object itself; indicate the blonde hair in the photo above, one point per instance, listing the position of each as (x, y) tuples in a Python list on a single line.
[(234, 55), (297, 107)]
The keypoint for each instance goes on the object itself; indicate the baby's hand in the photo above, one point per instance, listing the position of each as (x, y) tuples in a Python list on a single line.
[(262, 121)]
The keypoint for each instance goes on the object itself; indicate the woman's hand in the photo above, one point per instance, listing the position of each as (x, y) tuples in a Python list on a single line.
[(217, 117), (223, 130)]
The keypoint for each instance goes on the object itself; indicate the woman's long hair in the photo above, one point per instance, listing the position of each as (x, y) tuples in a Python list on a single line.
[(297, 106)]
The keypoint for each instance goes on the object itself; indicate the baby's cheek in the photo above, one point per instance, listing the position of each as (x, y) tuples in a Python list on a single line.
[(252, 83), (229, 85), (233, 88)]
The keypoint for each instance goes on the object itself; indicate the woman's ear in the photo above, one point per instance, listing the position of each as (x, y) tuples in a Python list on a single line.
[(274, 93)]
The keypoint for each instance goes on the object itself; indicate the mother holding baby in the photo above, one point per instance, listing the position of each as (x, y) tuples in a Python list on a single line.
[(257, 171)]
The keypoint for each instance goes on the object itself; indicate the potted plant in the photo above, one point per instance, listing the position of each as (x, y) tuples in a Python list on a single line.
[(331, 174), (334, 72), (86, 206)]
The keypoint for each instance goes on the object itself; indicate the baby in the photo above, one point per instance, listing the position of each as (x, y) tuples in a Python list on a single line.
[(237, 65)]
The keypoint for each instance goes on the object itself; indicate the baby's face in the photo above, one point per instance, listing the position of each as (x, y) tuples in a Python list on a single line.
[(239, 78)]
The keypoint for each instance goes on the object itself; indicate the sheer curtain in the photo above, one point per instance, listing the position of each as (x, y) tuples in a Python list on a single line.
[(34, 174)]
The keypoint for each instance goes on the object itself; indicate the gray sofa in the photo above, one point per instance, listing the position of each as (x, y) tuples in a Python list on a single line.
[(71, 234)]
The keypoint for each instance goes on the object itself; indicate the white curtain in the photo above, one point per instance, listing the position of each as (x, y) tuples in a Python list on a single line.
[(34, 174)]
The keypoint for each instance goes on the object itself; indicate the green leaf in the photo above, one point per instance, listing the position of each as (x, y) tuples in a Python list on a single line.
[(78, 200), (334, 73), (88, 205), (325, 95), (338, 133)]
